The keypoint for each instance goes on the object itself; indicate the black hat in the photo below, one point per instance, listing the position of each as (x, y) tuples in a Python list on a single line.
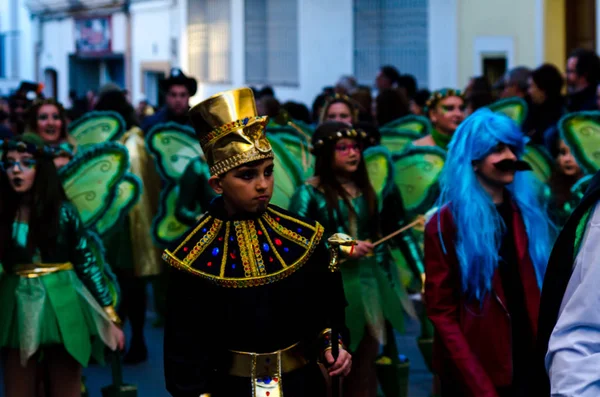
[(178, 78)]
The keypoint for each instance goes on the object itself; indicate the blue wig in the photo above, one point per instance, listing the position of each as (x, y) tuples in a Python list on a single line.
[(479, 226)]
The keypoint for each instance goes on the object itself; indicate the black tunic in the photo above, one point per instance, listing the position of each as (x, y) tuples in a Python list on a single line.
[(207, 317)]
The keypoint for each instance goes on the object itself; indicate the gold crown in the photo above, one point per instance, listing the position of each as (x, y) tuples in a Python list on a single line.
[(230, 131)]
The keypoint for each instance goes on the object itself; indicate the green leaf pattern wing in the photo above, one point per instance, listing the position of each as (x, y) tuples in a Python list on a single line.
[(166, 229), (128, 193), (90, 180), (299, 150), (97, 127), (396, 140), (515, 108), (173, 146), (287, 174), (380, 169), (416, 173), (540, 160), (581, 131), (417, 124)]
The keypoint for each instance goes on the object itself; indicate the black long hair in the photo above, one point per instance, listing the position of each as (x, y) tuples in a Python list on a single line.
[(45, 199), (329, 184), (117, 102)]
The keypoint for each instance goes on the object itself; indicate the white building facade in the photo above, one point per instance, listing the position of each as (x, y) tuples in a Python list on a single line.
[(296, 46)]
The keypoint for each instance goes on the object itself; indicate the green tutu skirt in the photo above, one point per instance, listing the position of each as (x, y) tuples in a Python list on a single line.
[(55, 309), (374, 293)]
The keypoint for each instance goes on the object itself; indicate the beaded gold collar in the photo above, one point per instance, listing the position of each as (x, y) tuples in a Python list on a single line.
[(247, 252)]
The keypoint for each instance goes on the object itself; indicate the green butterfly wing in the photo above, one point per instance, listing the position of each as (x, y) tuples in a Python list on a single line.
[(97, 248), (416, 174), (396, 139), (581, 131), (380, 170), (287, 173), (173, 146), (515, 108), (97, 127), (90, 180), (540, 160), (127, 194), (299, 149), (166, 229), (580, 187), (417, 124)]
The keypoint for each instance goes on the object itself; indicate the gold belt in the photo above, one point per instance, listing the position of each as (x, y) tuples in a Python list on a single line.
[(265, 370), (249, 365), (41, 269)]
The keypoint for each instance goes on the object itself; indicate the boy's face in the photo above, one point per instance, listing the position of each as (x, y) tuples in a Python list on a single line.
[(247, 188)]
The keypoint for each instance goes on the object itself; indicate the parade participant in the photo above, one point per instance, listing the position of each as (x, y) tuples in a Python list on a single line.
[(485, 255), (131, 251), (56, 307), (178, 89), (251, 302), (48, 119), (583, 76), (340, 196), (446, 110), (340, 108), (565, 173)]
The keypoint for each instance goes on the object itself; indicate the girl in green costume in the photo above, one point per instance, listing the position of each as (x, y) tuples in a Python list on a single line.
[(340, 197), (54, 302)]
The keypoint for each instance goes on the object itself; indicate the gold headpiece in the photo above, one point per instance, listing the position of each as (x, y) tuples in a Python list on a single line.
[(230, 131)]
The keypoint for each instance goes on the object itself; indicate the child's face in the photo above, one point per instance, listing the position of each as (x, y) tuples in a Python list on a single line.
[(347, 154), (247, 188)]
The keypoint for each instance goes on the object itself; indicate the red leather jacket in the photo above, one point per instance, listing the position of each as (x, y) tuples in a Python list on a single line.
[(472, 341)]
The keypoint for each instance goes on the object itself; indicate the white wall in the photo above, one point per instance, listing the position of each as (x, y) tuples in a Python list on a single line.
[(58, 42), (151, 30), (442, 28), (326, 43), (24, 26)]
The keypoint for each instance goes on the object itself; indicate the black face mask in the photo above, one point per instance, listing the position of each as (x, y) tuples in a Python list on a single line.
[(512, 165)]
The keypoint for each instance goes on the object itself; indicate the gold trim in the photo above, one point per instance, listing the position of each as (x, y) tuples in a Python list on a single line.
[(225, 250), (205, 241), (249, 281), (285, 232), (41, 269), (291, 219), (247, 263), (258, 258), (112, 314), (273, 246), (239, 159), (200, 225)]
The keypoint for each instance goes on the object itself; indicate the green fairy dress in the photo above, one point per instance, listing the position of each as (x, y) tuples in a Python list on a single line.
[(62, 307), (372, 284)]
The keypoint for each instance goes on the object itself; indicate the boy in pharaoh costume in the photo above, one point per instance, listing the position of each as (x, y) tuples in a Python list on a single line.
[(253, 302)]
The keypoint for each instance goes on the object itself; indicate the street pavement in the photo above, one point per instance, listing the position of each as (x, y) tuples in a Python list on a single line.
[(149, 379)]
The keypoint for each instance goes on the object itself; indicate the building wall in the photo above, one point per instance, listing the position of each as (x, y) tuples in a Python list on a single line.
[(152, 30), (498, 24), (555, 33), (18, 20), (326, 45), (55, 53)]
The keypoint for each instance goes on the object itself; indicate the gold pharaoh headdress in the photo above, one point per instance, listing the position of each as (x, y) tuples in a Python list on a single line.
[(230, 131)]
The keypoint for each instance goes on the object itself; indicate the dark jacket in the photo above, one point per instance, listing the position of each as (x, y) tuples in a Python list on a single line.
[(163, 116), (472, 343), (558, 274), (582, 100)]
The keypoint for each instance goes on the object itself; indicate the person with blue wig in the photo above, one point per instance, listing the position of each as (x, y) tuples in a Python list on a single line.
[(486, 250)]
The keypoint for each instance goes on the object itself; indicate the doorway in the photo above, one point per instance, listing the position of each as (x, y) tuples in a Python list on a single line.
[(580, 25), (50, 83)]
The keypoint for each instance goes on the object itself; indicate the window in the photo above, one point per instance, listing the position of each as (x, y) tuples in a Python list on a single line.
[(9, 54), (390, 32), (272, 42), (209, 40)]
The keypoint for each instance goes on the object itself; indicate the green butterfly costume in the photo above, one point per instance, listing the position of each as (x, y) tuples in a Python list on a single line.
[(67, 296)]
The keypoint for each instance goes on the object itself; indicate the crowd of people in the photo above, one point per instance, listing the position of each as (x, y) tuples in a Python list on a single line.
[(253, 285)]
